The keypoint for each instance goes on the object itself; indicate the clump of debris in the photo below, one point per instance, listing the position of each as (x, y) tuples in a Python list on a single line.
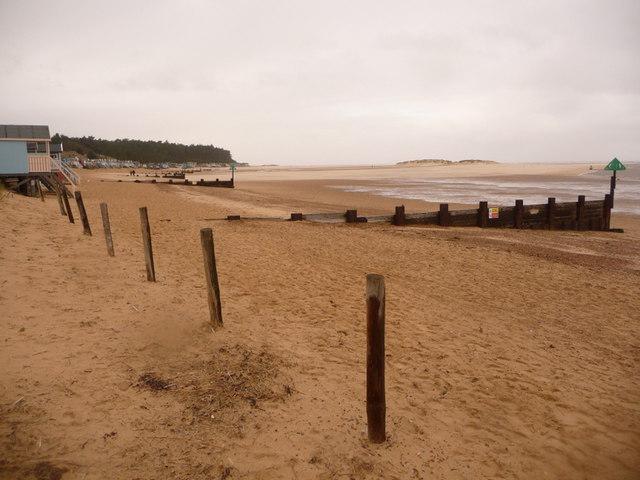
[(223, 389), (153, 382), (236, 378), (47, 471)]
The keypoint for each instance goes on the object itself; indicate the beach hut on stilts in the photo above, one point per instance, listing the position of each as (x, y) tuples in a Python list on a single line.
[(28, 161)]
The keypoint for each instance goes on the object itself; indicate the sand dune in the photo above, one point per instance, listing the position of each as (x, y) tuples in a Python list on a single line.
[(510, 354)]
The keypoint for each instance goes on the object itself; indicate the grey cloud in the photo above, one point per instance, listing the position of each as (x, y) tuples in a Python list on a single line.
[(308, 82)]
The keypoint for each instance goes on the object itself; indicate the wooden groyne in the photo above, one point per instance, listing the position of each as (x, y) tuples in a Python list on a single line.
[(580, 215), (189, 183)]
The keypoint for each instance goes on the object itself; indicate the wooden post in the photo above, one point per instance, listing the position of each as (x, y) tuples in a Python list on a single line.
[(518, 213), (83, 213), (39, 188), (483, 214), (351, 216), (106, 225), (297, 217), (66, 204), (400, 217), (146, 240), (376, 404), (60, 201), (580, 213), (613, 187), (551, 210), (211, 276), (606, 212), (444, 219)]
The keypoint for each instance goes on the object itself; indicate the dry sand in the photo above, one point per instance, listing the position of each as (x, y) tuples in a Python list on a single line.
[(510, 354)]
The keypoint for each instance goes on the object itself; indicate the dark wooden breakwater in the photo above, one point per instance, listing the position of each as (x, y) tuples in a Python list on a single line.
[(189, 183), (580, 215)]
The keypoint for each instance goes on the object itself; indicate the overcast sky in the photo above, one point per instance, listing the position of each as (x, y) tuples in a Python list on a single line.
[(301, 82)]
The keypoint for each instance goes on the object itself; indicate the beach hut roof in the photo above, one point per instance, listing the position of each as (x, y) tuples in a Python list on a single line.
[(26, 132)]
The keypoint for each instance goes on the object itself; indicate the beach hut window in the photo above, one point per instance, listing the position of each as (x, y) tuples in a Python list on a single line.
[(36, 147)]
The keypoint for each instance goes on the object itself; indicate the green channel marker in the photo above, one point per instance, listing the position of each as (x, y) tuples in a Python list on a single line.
[(615, 165)]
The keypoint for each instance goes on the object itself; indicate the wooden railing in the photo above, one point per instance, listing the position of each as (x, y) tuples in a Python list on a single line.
[(70, 175)]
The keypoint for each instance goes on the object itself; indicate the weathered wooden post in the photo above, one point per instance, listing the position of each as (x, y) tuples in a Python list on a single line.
[(518, 213), (399, 218), (444, 218), (40, 192), (614, 165), (483, 214), (297, 217), (580, 207), (146, 241), (83, 213), (376, 403), (60, 201), (606, 211), (66, 204), (551, 210), (211, 276), (612, 187), (106, 225), (351, 216)]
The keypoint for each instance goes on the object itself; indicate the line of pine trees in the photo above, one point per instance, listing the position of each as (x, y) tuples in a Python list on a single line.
[(144, 151)]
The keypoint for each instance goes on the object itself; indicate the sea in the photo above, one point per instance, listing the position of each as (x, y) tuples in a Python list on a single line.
[(504, 190)]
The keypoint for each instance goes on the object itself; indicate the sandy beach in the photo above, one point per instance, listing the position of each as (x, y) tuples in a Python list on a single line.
[(510, 353)]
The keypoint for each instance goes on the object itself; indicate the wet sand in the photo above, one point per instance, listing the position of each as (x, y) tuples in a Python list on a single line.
[(510, 354)]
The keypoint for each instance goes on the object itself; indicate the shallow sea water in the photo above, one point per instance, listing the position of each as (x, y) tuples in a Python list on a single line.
[(504, 191)]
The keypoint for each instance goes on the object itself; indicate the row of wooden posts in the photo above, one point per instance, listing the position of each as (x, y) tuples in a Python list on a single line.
[(375, 301), (206, 240), (375, 287)]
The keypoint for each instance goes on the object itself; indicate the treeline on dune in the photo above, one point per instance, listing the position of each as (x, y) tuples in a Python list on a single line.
[(144, 151)]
